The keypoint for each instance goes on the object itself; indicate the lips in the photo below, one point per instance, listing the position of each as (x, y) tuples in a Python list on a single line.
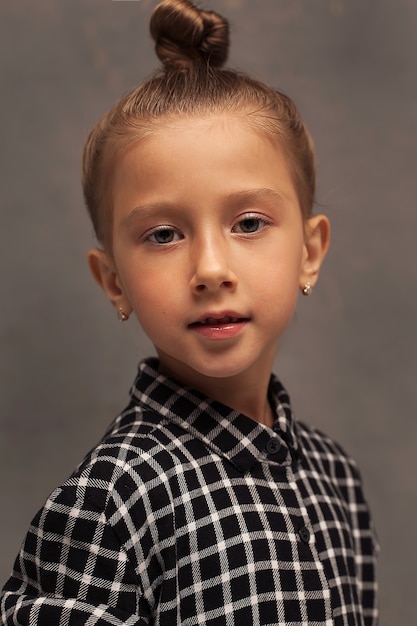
[(219, 327)]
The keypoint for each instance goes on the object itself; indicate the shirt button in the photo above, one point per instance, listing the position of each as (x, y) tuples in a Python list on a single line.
[(304, 534), (273, 446)]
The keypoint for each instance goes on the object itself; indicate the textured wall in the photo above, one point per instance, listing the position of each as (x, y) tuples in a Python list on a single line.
[(349, 358)]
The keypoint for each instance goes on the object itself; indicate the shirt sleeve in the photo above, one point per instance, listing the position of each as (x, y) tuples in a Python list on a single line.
[(72, 570), (367, 551), (365, 538)]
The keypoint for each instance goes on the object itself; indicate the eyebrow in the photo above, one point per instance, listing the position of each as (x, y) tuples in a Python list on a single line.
[(247, 196), (145, 211), (264, 193)]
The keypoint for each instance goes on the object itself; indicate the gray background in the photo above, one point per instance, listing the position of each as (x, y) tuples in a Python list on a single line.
[(349, 358)]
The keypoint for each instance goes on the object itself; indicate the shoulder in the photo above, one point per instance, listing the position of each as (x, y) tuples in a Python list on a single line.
[(316, 439), (135, 457), (326, 455), (327, 463), (132, 436), (124, 484)]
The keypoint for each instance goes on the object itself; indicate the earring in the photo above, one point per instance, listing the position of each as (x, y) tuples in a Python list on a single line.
[(307, 290), (122, 317)]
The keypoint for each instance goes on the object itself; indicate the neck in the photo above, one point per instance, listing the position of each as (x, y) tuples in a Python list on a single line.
[(244, 393)]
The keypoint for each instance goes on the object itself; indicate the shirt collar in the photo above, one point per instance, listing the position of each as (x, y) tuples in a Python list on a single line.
[(227, 432)]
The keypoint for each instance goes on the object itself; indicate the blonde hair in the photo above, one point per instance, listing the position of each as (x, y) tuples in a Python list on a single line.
[(192, 45)]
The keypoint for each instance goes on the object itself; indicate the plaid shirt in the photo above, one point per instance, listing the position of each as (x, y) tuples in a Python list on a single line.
[(190, 513)]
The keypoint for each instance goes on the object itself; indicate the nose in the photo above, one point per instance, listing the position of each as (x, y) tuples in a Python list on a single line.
[(211, 266)]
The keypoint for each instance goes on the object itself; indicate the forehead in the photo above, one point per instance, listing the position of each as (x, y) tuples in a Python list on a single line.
[(212, 137), (222, 152)]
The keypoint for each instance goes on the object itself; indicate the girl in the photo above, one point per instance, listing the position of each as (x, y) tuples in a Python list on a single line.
[(205, 502)]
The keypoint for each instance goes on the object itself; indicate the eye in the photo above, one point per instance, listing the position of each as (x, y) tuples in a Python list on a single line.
[(250, 224), (164, 235)]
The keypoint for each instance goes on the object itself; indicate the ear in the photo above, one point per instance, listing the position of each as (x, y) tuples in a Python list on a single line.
[(105, 273), (316, 244)]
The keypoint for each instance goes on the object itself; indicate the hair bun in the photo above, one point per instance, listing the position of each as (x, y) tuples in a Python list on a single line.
[(186, 36)]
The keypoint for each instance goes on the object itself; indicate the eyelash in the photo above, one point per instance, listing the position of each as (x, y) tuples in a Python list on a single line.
[(252, 217), (163, 229), (260, 221)]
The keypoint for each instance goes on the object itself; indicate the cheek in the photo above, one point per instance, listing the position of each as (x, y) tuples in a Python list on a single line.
[(153, 295), (277, 283), (281, 265)]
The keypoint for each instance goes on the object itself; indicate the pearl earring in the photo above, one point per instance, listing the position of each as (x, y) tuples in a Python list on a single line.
[(121, 315), (307, 290)]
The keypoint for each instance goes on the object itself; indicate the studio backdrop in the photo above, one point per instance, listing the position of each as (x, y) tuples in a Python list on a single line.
[(349, 357)]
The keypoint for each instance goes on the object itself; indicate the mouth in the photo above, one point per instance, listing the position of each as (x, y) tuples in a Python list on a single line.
[(219, 327), (215, 321), (219, 320)]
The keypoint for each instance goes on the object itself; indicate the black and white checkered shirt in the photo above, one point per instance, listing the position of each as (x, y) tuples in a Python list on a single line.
[(190, 513)]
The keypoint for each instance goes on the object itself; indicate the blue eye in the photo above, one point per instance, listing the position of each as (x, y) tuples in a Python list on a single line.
[(249, 225), (163, 236)]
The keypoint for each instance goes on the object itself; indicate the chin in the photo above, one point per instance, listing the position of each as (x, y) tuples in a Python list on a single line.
[(189, 372), (221, 369)]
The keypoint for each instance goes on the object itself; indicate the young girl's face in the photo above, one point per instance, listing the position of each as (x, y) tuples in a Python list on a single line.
[(209, 248)]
